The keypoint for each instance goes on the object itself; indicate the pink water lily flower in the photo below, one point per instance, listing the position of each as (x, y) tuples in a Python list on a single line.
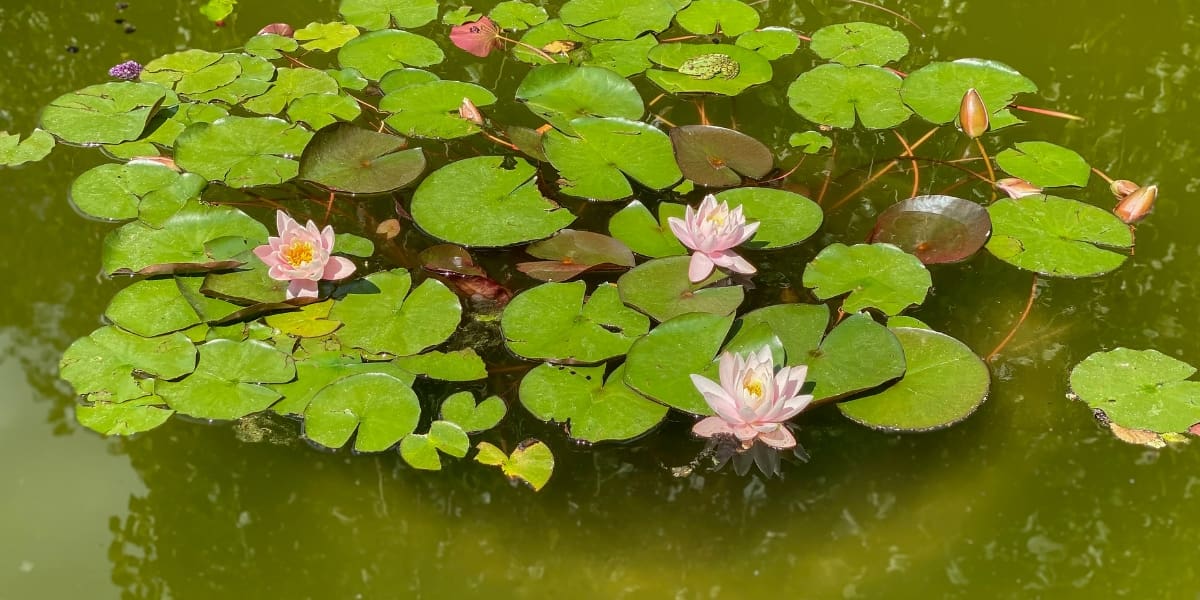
[(710, 231), (753, 401), (300, 256)]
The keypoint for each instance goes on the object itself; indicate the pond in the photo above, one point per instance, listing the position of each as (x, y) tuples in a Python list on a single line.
[(1028, 498)]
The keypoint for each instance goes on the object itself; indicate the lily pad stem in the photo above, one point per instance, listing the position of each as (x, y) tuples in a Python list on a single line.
[(1024, 315), (916, 168), (1049, 113), (535, 50), (884, 170)]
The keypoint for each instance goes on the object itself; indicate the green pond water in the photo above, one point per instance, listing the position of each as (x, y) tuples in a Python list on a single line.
[(1028, 498)]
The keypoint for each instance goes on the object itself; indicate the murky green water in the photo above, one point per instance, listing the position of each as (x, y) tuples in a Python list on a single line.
[(1027, 499)]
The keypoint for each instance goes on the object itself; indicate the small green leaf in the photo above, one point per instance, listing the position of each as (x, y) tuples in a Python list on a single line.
[(291, 84), (381, 14), (353, 245), (810, 142), (381, 408), (217, 10), (935, 91), (420, 453), (460, 408), (141, 188), (729, 17), (553, 322), (431, 109), (151, 307), (321, 110), (595, 410), (311, 321), (879, 276), (325, 37), (661, 288), (531, 462), (15, 152), (625, 57), (270, 46), (771, 42), (1045, 165), (1139, 389), (515, 15), (322, 369), (594, 165), (618, 20), (833, 94), (449, 438)]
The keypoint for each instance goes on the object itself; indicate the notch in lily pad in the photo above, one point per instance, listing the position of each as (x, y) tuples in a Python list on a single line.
[(879, 276), (593, 408), (1058, 237), (554, 322)]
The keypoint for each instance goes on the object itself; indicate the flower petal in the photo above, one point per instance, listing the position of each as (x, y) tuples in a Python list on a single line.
[(700, 267), (710, 426), (338, 268), (780, 438), (717, 398), (327, 238), (732, 261), (302, 288), (680, 228)]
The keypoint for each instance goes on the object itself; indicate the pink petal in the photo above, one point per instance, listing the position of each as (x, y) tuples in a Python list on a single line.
[(729, 369), (338, 268), (717, 398), (680, 229), (327, 238), (280, 272), (700, 267), (780, 438), (747, 232), (283, 222), (477, 37), (745, 432), (731, 261), (266, 254), (302, 288), (710, 426)]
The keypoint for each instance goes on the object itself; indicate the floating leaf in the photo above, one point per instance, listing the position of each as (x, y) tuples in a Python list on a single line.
[(108, 113), (381, 14), (785, 218), (460, 409), (515, 15), (741, 68), (1140, 389), (719, 157), (1057, 237), (378, 52), (625, 57), (401, 78), (935, 91), (151, 307), (217, 10), (462, 365), (249, 285), (347, 158), (14, 151), (1045, 165), (431, 109), (771, 42), (125, 418), (619, 20), (552, 322), (638, 228), (561, 93), (320, 110), (227, 381), (595, 410), (310, 321), (569, 253), (381, 316), (140, 188), (322, 369), (325, 37), (242, 152), (879, 276), (531, 462), (935, 229), (381, 408), (459, 16), (111, 365), (179, 244), (833, 94), (270, 46), (503, 208), (660, 364), (552, 37), (810, 142), (661, 288), (854, 44), (165, 127), (421, 450), (944, 383), (592, 164), (729, 17), (207, 76), (291, 84)]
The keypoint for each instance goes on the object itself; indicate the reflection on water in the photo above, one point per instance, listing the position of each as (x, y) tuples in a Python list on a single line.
[(1027, 499)]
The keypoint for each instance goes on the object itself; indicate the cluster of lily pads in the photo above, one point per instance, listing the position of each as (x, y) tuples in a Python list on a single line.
[(216, 323)]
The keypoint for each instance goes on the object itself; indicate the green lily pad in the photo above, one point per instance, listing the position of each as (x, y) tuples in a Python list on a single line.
[(207, 76), (325, 37), (751, 69), (944, 383), (570, 253), (460, 409), (810, 142), (165, 127), (718, 157), (227, 381), (771, 42), (179, 244), (350, 79), (935, 229), (624, 57), (270, 46), (637, 228), (151, 307), (381, 408), (380, 315), (503, 208), (347, 158), (112, 365), (879, 276), (376, 53), (785, 218), (381, 14), (460, 15), (421, 450), (109, 113), (833, 94), (1139, 389), (242, 152), (854, 44), (552, 322), (561, 93), (729, 17), (660, 364), (618, 20), (401, 78), (594, 410), (461, 365), (311, 321), (594, 164), (935, 91), (547, 34), (323, 369), (141, 188), (125, 418), (290, 85), (431, 109), (1045, 165), (15, 152), (661, 288), (353, 245), (515, 15), (251, 284), (532, 462), (1057, 237), (321, 110)]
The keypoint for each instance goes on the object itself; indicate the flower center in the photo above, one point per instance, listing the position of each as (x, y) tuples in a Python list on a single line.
[(718, 218), (754, 388), (298, 254)]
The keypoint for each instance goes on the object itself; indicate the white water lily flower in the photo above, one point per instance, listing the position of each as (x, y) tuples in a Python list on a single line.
[(753, 401)]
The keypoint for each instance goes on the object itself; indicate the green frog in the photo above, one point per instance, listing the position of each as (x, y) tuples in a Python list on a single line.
[(708, 66)]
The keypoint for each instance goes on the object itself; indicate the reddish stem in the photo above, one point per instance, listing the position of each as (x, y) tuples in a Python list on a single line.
[(1024, 315)]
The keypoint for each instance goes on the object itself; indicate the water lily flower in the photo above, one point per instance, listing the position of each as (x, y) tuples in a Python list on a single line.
[(478, 37), (1016, 187), (1136, 206), (753, 401), (281, 29), (300, 256), (973, 115), (128, 70), (710, 231)]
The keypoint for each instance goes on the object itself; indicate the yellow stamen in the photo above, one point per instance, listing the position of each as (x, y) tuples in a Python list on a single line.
[(298, 254), (717, 217), (753, 387)]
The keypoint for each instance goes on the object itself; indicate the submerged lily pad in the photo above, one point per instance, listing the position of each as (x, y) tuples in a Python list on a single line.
[(561, 93), (1045, 165), (944, 383), (381, 14), (553, 322), (661, 288), (179, 243), (141, 188), (879, 276), (227, 382), (729, 17), (1057, 237), (15, 152), (431, 109), (644, 234), (504, 206), (347, 158), (854, 44), (619, 20), (739, 68), (532, 462), (935, 229), (108, 113), (421, 450), (112, 365), (785, 218), (660, 364), (380, 408), (376, 53), (719, 157), (242, 152), (1140, 389), (595, 410), (594, 164), (833, 94), (380, 315), (935, 91)]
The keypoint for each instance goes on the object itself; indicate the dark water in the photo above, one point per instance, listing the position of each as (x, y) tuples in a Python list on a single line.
[(1027, 499)]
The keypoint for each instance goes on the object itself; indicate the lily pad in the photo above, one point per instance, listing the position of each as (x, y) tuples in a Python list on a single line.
[(810, 142), (140, 188), (325, 37), (935, 229), (380, 408), (561, 93), (347, 158), (1140, 389), (179, 243), (421, 450), (515, 15), (460, 409), (112, 365), (310, 321), (461, 365), (532, 462), (206, 76), (376, 53), (109, 113), (227, 381), (242, 152), (751, 69), (771, 42), (320, 110), (431, 109), (320, 370), (879, 276), (553, 37), (718, 157), (165, 127), (659, 365), (1045, 165), (125, 418), (151, 307), (290, 85), (15, 152), (618, 20), (935, 91), (854, 44), (729, 17), (570, 253), (593, 409), (594, 164), (625, 57), (1057, 237), (785, 218), (380, 315), (553, 322), (401, 78), (251, 285), (270, 46), (833, 94), (381, 14), (637, 228), (944, 383), (661, 288), (503, 208)]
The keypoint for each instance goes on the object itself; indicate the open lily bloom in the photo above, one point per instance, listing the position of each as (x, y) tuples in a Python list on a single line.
[(301, 256), (753, 401), (710, 231)]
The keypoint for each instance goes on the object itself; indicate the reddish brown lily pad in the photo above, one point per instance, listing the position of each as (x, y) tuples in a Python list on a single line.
[(718, 157), (935, 229)]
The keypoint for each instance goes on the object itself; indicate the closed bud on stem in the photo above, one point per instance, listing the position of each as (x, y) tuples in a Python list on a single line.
[(470, 112), (973, 115), (1016, 187), (282, 29), (1136, 206), (1123, 187)]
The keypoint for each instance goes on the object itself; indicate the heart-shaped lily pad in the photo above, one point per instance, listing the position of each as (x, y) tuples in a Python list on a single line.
[(242, 152), (879, 276), (460, 365), (125, 418), (381, 14), (570, 253), (152, 307), (420, 450), (660, 364), (179, 243), (532, 462), (785, 218), (321, 369), (206, 76), (109, 113), (661, 288), (854, 44), (935, 229), (771, 42), (594, 410), (561, 93), (325, 37), (552, 322), (141, 188), (227, 381), (320, 110), (708, 68), (504, 206), (618, 20), (289, 85), (944, 383), (1057, 237), (111, 365), (644, 234), (380, 315), (810, 142), (460, 409), (347, 158), (718, 157), (380, 408), (935, 91), (311, 321), (1045, 165), (594, 164), (431, 109), (833, 94), (164, 128), (729, 17), (625, 57), (376, 53), (15, 152), (1142, 390), (515, 15)]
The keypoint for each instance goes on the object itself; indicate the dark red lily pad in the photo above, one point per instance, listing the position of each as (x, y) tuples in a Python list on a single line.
[(718, 157), (455, 267), (935, 229), (477, 37)]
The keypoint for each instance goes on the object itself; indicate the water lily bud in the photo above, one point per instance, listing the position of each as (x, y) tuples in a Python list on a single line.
[(1136, 206), (1016, 187), (282, 29), (1123, 187), (470, 112), (973, 115)]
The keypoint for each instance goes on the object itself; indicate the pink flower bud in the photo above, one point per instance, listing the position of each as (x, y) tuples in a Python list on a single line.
[(1123, 187), (973, 115), (1017, 188), (1136, 206), (282, 29)]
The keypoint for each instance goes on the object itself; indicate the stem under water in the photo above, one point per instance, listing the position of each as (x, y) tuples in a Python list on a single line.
[(1020, 321)]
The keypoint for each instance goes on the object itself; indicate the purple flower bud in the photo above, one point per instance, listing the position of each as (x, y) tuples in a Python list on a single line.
[(128, 70)]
